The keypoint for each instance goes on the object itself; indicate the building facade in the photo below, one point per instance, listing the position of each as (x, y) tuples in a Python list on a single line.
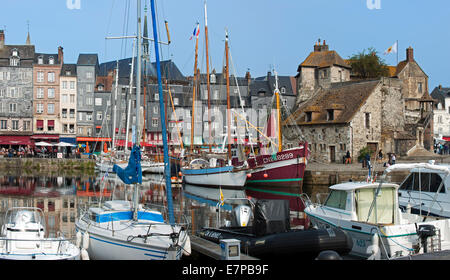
[(68, 103)]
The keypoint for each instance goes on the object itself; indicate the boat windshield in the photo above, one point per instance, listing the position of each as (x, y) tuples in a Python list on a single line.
[(22, 216), (422, 181), (382, 211)]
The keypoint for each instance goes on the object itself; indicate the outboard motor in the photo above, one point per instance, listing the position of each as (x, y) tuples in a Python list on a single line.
[(242, 215), (425, 232)]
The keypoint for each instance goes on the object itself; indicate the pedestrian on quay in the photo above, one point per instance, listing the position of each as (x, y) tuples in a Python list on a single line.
[(380, 156), (348, 159), (393, 159), (368, 160)]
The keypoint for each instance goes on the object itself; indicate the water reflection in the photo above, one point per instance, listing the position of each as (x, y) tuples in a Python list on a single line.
[(61, 198)]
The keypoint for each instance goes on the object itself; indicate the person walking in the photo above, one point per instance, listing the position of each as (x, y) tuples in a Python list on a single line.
[(348, 158), (393, 159), (380, 156)]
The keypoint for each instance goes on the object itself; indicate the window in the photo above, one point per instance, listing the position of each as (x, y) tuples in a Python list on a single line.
[(89, 116), (72, 113), (39, 108), (50, 108), (51, 93), (3, 124), (80, 116), (175, 101), (419, 87), (155, 110), (40, 77), (51, 125), (40, 125), (383, 210), (98, 101), (26, 125), (2, 92), (71, 128), (336, 199), (64, 84), (40, 60), (99, 116), (64, 98), (65, 128), (330, 115), (426, 182), (51, 77), (89, 131), (88, 75), (40, 93), (14, 61), (156, 96), (155, 122), (72, 84), (72, 98), (308, 117), (367, 120), (80, 131), (89, 101), (51, 60), (89, 88), (64, 113), (15, 125), (12, 107)]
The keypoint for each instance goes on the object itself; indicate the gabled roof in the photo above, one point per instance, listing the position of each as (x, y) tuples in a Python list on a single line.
[(440, 94), (347, 97), (26, 52), (322, 59), (87, 59), (72, 68)]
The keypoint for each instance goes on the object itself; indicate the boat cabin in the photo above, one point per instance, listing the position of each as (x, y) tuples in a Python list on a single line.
[(363, 202), (121, 210), (25, 220)]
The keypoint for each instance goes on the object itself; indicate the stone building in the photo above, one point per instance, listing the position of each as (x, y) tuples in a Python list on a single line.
[(319, 70), (348, 117), (16, 93), (418, 102), (46, 98)]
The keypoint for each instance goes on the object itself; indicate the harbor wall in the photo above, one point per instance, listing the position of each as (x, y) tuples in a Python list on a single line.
[(46, 167)]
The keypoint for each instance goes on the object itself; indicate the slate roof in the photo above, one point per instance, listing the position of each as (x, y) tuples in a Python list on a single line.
[(348, 97), (87, 59), (46, 57), (72, 68), (440, 93), (26, 53), (267, 85), (169, 70)]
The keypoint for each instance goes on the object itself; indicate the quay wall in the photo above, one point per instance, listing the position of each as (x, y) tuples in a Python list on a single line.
[(46, 167)]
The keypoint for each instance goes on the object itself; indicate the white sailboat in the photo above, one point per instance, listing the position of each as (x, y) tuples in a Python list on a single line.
[(127, 230), (370, 213), (23, 237)]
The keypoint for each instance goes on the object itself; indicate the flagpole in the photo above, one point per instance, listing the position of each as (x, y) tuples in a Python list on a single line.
[(397, 52)]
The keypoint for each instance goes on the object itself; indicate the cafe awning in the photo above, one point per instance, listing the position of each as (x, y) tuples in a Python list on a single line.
[(15, 140)]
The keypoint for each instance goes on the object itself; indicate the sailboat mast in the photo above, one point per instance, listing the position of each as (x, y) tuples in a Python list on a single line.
[(115, 109), (139, 69), (277, 96), (228, 96), (130, 93), (163, 123), (208, 87), (193, 92)]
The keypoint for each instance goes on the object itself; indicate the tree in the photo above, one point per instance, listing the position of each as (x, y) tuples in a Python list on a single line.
[(368, 65)]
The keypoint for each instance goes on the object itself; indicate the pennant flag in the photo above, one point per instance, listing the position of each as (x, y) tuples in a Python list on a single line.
[(391, 49), (196, 32), (132, 174), (221, 198)]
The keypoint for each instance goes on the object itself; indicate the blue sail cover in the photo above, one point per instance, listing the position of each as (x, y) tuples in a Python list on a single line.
[(132, 174)]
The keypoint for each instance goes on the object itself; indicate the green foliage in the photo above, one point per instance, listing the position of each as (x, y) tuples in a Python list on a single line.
[(368, 65), (362, 153)]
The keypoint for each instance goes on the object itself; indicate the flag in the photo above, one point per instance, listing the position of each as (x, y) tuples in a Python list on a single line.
[(391, 49), (196, 32), (221, 197)]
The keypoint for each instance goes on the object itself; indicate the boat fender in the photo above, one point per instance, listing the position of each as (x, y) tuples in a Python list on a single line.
[(374, 250), (328, 255), (84, 255), (86, 240), (187, 246), (78, 240)]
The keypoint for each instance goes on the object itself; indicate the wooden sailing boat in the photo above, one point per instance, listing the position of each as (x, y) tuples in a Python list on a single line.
[(279, 174), (214, 173)]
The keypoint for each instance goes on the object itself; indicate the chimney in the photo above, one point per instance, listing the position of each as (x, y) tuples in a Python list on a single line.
[(321, 47), (409, 54), (2, 38), (248, 77), (440, 86), (60, 55)]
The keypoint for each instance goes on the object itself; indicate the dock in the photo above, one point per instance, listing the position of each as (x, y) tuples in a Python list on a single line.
[(211, 249)]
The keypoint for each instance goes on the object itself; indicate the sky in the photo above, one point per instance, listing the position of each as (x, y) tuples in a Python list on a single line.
[(263, 34)]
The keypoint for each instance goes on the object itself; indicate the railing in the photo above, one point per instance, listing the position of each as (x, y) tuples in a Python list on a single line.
[(5, 241)]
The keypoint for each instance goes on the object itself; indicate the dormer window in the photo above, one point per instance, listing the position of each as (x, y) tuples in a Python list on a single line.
[(14, 59), (51, 60), (308, 117), (330, 115), (40, 60), (68, 73), (283, 90), (212, 78), (100, 87)]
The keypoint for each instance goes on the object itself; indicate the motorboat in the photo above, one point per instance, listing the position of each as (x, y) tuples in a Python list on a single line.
[(369, 211), (24, 237), (264, 231), (426, 189), (114, 234)]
